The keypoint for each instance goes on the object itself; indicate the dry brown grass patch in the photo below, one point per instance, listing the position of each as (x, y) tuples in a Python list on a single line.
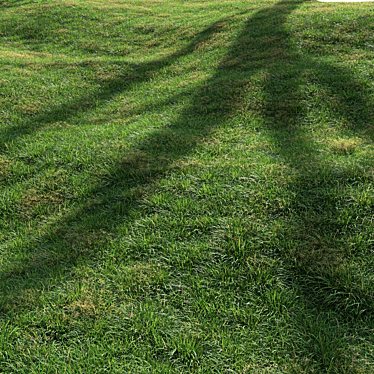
[(32, 108), (4, 167), (82, 242), (318, 256), (344, 146), (32, 199), (29, 55), (87, 305)]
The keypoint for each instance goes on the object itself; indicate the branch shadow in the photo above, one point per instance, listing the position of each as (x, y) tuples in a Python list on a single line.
[(311, 236), (136, 73)]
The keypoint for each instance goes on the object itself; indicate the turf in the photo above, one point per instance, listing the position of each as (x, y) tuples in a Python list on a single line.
[(186, 186)]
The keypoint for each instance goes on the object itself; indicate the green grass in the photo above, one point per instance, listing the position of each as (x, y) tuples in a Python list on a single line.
[(186, 187)]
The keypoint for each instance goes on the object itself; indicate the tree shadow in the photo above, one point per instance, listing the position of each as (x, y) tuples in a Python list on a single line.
[(16, 3), (315, 271), (314, 180), (311, 236), (134, 74)]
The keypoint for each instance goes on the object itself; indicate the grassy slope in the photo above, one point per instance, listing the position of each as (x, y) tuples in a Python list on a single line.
[(186, 186)]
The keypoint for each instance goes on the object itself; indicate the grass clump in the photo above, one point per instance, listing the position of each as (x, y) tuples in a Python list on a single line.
[(186, 187)]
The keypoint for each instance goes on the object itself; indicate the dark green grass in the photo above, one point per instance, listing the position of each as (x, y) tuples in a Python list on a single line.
[(186, 187)]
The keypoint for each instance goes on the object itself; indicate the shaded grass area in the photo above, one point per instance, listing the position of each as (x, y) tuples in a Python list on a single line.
[(199, 200)]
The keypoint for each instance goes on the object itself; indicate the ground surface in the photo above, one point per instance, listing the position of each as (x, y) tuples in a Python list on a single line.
[(186, 186)]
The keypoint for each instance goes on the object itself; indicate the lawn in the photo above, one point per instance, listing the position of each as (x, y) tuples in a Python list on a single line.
[(186, 186)]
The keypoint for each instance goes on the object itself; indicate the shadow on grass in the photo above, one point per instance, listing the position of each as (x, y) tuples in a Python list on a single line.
[(15, 3), (311, 241), (313, 238), (134, 74)]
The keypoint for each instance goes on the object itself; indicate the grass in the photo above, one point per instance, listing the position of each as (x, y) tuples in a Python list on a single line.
[(186, 187)]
